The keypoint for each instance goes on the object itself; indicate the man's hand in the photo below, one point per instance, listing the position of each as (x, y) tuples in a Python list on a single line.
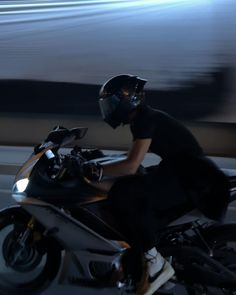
[(92, 171)]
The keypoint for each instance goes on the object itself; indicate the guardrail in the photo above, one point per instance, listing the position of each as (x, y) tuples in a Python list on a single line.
[(12, 158), (28, 130)]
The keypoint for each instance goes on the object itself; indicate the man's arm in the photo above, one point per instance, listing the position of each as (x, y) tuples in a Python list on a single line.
[(130, 165)]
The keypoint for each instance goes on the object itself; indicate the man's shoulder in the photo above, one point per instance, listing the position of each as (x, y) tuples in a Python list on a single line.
[(157, 114)]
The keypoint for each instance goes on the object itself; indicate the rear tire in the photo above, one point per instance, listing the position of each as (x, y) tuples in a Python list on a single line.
[(222, 241)]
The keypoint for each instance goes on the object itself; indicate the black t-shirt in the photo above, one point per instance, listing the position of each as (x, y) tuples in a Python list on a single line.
[(175, 144), (169, 137)]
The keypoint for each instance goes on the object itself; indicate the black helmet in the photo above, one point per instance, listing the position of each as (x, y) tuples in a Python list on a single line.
[(118, 97)]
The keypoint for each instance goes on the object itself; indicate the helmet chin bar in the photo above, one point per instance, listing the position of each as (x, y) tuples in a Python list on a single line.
[(121, 115), (113, 123)]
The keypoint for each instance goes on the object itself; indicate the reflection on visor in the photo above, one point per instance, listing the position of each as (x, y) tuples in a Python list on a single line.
[(108, 105)]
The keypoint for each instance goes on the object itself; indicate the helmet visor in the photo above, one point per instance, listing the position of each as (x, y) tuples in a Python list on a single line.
[(108, 105)]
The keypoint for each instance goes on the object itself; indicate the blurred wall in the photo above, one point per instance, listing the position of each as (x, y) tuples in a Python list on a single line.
[(54, 56)]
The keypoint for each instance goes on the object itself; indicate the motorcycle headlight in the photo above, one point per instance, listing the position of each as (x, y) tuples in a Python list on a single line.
[(21, 185)]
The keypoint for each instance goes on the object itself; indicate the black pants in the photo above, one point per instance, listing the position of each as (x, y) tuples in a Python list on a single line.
[(143, 204), (140, 203), (207, 186)]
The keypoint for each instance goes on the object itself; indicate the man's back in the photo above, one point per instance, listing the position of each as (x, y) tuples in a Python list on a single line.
[(169, 137)]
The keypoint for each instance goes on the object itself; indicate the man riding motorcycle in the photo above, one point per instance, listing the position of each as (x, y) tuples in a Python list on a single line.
[(184, 175)]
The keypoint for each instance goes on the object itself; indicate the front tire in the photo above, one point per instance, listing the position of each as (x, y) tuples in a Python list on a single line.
[(36, 267)]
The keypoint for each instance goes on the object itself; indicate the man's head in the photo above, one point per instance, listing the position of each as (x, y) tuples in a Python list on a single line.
[(119, 96)]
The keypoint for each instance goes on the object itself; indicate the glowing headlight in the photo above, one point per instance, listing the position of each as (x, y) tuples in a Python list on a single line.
[(22, 184)]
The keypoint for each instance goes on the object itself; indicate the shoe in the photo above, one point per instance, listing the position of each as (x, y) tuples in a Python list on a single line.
[(160, 279), (155, 263), (159, 271)]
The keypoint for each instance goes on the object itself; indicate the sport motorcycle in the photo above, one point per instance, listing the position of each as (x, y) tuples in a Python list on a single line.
[(61, 229)]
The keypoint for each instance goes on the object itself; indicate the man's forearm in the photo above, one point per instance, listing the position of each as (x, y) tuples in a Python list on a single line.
[(124, 167)]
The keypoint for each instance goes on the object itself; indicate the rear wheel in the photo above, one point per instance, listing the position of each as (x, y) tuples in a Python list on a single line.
[(222, 242), (25, 268)]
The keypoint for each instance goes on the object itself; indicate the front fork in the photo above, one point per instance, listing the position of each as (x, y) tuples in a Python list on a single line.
[(21, 241)]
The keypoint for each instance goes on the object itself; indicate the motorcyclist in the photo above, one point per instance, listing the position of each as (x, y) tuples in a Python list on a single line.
[(184, 176)]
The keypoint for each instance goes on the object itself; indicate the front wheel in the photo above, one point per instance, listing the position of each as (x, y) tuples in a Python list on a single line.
[(30, 267)]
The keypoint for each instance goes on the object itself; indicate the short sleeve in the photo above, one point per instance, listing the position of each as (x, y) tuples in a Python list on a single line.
[(143, 126)]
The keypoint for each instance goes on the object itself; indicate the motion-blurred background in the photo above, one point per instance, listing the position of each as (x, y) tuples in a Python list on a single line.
[(54, 56)]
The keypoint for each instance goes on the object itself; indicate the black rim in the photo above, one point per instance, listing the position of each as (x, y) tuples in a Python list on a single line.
[(33, 270), (29, 259)]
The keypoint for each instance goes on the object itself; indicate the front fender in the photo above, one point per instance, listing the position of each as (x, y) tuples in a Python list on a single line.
[(14, 210)]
